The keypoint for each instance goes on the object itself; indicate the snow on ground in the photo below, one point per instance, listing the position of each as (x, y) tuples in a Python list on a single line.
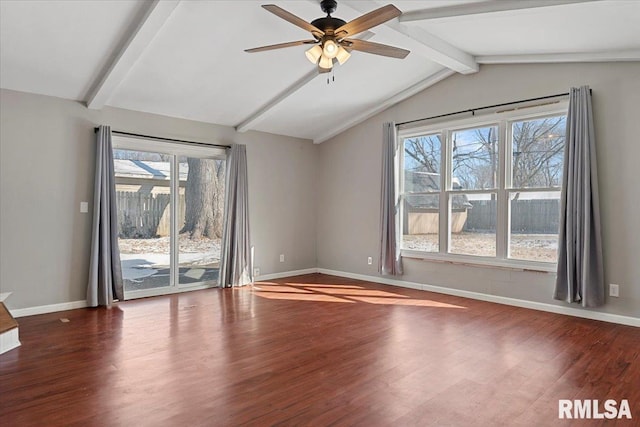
[(160, 245), (145, 257), (533, 247)]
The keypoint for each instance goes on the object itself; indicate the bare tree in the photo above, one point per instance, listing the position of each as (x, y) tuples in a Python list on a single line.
[(538, 146), (425, 152), (475, 162), (204, 198)]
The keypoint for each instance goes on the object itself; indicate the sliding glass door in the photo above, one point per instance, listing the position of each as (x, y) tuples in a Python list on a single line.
[(170, 200), (201, 207), (143, 197)]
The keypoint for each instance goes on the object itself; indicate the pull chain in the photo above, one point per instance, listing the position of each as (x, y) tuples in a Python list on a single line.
[(333, 77)]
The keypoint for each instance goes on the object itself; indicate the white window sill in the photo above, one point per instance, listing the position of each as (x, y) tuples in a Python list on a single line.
[(475, 261)]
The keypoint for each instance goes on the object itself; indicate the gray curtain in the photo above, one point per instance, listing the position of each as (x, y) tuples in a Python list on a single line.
[(390, 260), (236, 242), (580, 268), (105, 273)]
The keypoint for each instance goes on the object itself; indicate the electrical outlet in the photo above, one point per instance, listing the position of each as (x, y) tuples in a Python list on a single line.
[(256, 271), (614, 290), (281, 257), (369, 260)]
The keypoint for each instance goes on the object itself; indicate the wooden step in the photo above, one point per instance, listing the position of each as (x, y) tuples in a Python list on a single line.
[(7, 322), (9, 334)]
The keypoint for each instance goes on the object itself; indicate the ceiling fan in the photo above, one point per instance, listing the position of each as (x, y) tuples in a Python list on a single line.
[(332, 37)]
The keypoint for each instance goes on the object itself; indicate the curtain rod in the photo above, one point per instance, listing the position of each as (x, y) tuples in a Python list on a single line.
[(159, 138), (473, 110)]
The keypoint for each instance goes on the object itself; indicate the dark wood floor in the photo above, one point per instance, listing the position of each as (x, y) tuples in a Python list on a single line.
[(313, 350)]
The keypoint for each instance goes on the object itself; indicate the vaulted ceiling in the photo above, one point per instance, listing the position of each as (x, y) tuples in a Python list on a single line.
[(186, 58)]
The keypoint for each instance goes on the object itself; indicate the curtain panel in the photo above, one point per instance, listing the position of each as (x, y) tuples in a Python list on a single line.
[(105, 272), (236, 268), (580, 276), (390, 233)]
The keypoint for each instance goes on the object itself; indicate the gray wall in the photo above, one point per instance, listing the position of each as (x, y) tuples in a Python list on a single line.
[(349, 179), (305, 200), (46, 170)]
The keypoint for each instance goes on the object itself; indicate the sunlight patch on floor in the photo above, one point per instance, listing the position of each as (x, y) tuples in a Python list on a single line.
[(352, 292), (411, 302), (314, 285), (280, 288), (341, 293), (301, 297)]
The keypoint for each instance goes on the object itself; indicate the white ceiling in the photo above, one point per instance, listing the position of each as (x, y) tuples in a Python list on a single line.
[(186, 58)]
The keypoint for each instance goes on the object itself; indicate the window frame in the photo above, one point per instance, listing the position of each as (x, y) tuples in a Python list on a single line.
[(504, 121)]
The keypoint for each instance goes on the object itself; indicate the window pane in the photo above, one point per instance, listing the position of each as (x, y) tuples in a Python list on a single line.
[(422, 163), (475, 158), (472, 224), (421, 222), (200, 213), (538, 151), (534, 226), (144, 218)]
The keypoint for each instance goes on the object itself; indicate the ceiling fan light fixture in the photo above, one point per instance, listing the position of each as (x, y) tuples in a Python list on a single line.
[(314, 54), (325, 62), (342, 55), (330, 48)]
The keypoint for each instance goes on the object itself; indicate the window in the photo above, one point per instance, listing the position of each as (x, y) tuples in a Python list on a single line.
[(536, 160), (422, 186), (484, 190)]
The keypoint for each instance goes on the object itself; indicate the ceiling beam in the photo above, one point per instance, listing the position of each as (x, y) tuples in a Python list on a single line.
[(134, 44), (607, 56), (397, 98), (257, 116), (481, 8), (430, 46)]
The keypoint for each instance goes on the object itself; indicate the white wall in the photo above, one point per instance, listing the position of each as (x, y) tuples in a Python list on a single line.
[(349, 180), (47, 148)]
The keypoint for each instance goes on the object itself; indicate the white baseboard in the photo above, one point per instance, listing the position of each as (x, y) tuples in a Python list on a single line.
[(51, 308), (569, 311), (272, 276), (9, 340)]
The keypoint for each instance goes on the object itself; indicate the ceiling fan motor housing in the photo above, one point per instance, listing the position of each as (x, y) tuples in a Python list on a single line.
[(328, 24)]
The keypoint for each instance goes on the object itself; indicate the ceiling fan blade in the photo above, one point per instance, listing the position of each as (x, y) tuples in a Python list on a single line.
[(368, 20), (375, 48), (280, 46), (290, 17)]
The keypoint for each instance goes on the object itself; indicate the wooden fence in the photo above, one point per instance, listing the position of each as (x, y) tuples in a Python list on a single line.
[(528, 216), (145, 215)]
